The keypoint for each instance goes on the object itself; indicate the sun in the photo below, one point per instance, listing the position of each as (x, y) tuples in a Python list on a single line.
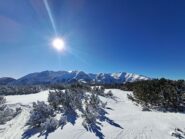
[(58, 44)]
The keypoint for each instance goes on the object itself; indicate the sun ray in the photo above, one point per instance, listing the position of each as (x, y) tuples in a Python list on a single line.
[(50, 16)]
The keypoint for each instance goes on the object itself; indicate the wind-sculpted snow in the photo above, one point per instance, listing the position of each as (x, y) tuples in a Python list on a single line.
[(135, 123)]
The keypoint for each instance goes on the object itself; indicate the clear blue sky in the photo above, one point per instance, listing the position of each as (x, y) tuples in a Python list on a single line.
[(138, 36)]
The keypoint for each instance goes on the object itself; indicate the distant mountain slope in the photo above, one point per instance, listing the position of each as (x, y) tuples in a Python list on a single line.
[(6, 80), (52, 77)]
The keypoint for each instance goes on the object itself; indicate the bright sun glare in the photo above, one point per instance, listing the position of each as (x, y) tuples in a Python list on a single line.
[(58, 44)]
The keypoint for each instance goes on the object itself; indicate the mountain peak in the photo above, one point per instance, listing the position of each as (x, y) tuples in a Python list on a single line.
[(54, 77)]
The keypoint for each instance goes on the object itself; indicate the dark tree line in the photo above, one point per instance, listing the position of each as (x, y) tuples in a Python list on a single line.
[(31, 89), (20, 90), (159, 93)]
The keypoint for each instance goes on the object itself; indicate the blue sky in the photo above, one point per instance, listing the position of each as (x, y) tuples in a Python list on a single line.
[(138, 36)]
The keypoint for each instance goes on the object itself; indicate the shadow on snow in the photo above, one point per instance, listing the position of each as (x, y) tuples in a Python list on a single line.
[(71, 117), (33, 131), (96, 127)]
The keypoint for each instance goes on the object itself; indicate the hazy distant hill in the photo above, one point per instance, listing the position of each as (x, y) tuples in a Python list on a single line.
[(6, 80)]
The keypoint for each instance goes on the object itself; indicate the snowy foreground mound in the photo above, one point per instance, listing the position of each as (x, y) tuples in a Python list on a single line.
[(133, 122)]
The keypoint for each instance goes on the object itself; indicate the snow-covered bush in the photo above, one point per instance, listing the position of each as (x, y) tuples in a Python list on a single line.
[(178, 133), (55, 98), (90, 115), (2, 100), (130, 96), (145, 108), (40, 113), (73, 98), (70, 99), (63, 121), (6, 113), (50, 124), (109, 94), (93, 109), (98, 90), (95, 101)]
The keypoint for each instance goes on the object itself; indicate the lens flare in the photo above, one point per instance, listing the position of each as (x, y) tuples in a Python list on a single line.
[(58, 44), (50, 16)]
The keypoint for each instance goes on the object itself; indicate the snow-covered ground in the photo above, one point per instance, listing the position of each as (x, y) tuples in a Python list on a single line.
[(27, 99), (133, 122)]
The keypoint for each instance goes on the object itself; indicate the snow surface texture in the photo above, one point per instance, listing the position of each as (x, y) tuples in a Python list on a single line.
[(51, 77), (136, 124)]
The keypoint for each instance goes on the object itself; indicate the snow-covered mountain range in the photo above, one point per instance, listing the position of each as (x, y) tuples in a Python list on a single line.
[(54, 77)]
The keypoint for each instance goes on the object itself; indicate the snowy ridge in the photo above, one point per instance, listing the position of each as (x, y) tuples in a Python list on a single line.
[(52, 77)]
